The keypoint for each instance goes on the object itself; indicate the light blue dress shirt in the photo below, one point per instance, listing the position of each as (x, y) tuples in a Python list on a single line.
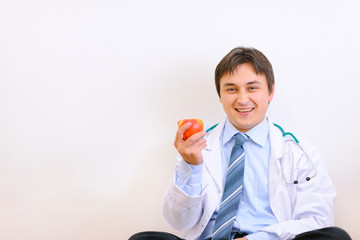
[(254, 209)]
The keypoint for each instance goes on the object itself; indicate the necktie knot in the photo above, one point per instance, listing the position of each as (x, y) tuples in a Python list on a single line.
[(240, 139)]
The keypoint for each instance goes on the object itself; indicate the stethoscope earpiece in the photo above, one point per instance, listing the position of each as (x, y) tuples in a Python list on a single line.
[(296, 181)]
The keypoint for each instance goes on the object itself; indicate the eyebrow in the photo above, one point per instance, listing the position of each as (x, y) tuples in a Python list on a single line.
[(229, 84), (253, 82), (248, 83)]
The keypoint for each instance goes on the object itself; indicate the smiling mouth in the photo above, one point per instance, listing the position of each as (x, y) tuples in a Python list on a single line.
[(244, 110)]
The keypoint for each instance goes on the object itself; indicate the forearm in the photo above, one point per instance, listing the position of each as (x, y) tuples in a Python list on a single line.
[(289, 229), (188, 178), (181, 210), (183, 200)]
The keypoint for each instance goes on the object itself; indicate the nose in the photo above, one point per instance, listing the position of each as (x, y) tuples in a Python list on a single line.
[(243, 98)]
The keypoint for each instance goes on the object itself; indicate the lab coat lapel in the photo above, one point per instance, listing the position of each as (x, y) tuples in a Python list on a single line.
[(277, 190), (212, 155)]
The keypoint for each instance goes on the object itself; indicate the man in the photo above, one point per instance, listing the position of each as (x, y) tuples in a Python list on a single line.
[(243, 179)]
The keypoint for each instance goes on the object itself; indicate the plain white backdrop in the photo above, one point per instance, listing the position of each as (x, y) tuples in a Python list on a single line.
[(91, 91)]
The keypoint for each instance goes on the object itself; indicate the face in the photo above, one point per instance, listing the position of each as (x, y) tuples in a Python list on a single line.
[(245, 97)]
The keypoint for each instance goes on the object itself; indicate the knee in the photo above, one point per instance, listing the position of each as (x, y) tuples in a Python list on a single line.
[(143, 236), (150, 235), (340, 233), (329, 233)]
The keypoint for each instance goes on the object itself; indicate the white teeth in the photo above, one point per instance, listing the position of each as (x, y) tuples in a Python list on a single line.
[(244, 110)]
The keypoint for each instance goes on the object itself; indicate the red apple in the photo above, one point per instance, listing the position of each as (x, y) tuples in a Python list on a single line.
[(196, 126)]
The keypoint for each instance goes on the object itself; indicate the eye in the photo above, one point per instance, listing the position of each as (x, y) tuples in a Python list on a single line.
[(230, 90)]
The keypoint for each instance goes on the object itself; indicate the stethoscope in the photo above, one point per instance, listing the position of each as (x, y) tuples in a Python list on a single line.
[(296, 181), (303, 150)]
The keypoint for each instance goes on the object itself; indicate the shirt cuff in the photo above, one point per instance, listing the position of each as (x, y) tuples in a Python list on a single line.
[(262, 236), (188, 178)]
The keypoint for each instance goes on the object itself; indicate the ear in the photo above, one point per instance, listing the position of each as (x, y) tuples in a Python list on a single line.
[(220, 99), (272, 93)]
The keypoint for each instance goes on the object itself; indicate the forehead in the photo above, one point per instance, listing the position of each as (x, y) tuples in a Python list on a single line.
[(243, 74)]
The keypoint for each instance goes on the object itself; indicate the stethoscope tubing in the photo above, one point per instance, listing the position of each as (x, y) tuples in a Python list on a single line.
[(300, 146)]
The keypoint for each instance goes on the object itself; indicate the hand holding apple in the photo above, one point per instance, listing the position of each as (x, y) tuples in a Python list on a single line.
[(189, 140)]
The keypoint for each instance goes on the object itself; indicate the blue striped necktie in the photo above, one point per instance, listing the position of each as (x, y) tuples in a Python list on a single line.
[(233, 188)]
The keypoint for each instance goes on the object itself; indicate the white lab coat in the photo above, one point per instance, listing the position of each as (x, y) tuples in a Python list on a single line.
[(298, 208)]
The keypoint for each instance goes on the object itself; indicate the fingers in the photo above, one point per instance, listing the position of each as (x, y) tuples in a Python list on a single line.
[(191, 140), (196, 137), (192, 153), (180, 132), (190, 149), (195, 142)]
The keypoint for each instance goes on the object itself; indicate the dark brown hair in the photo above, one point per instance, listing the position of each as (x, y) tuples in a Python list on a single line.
[(241, 55)]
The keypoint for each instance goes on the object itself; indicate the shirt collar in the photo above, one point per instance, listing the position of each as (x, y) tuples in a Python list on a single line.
[(258, 133)]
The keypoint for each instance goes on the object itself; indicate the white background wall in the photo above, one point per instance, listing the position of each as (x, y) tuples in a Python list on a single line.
[(91, 91)]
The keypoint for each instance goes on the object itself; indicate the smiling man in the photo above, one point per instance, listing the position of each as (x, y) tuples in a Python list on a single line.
[(245, 96), (243, 179)]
